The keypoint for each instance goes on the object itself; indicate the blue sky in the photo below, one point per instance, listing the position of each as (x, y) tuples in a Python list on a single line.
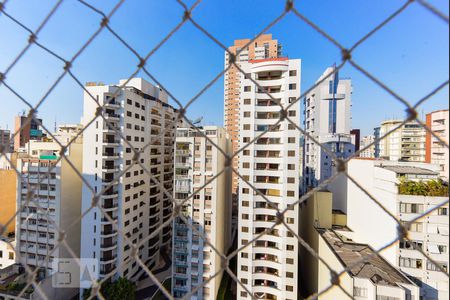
[(411, 54)]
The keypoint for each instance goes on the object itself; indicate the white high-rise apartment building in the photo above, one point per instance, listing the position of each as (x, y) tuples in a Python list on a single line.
[(380, 179), (407, 143), (136, 203), (269, 266), (436, 153), (197, 161), (327, 118), (369, 152), (58, 194)]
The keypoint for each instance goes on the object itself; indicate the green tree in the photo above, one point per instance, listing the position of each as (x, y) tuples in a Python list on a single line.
[(121, 289)]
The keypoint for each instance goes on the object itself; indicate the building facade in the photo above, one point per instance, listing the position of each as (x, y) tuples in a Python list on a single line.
[(7, 253), (327, 118), (138, 203), (368, 142), (407, 143), (430, 233), (5, 141), (326, 231), (31, 131), (197, 161), (435, 152), (268, 267), (263, 47), (56, 205)]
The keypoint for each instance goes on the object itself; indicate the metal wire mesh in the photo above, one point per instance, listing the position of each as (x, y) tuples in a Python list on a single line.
[(189, 17)]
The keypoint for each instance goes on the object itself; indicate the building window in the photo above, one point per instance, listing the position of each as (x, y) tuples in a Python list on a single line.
[(292, 86), (360, 292), (442, 211), (410, 263), (411, 208), (291, 153), (247, 101), (292, 113), (293, 73), (246, 114), (244, 268), (246, 126), (247, 88), (432, 267), (291, 140)]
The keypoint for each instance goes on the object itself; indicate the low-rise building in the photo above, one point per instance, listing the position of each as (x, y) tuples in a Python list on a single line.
[(7, 254), (411, 192), (326, 232), (436, 153)]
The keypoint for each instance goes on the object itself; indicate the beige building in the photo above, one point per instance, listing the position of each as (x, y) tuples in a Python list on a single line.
[(262, 48), (56, 204), (436, 153), (407, 143), (8, 181), (326, 232), (209, 211)]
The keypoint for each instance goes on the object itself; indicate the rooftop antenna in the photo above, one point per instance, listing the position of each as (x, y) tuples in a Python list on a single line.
[(55, 123)]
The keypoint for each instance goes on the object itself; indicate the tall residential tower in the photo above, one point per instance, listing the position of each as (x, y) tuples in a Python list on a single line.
[(137, 203), (262, 48), (328, 120), (269, 266)]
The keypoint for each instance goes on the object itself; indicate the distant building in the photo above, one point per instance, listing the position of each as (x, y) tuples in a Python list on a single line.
[(27, 131), (264, 47), (436, 153), (65, 133), (5, 141), (377, 228), (56, 206), (197, 160), (356, 138), (326, 232), (406, 143), (368, 141), (377, 136), (327, 118)]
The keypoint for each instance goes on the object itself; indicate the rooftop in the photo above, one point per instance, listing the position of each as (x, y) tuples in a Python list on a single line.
[(377, 270), (410, 170)]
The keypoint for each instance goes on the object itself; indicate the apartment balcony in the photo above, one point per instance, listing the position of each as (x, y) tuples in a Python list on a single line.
[(111, 116), (110, 155), (182, 165), (111, 102), (110, 205), (111, 141), (267, 292), (108, 244), (108, 257), (107, 269), (110, 168)]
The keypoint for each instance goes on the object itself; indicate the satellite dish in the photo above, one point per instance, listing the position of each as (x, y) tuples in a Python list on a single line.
[(197, 121)]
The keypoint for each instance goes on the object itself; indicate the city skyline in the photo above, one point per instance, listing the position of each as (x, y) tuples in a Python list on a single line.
[(175, 69), (229, 162)]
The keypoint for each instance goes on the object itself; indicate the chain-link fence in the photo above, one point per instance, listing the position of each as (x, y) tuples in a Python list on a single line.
[(288, 7)]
